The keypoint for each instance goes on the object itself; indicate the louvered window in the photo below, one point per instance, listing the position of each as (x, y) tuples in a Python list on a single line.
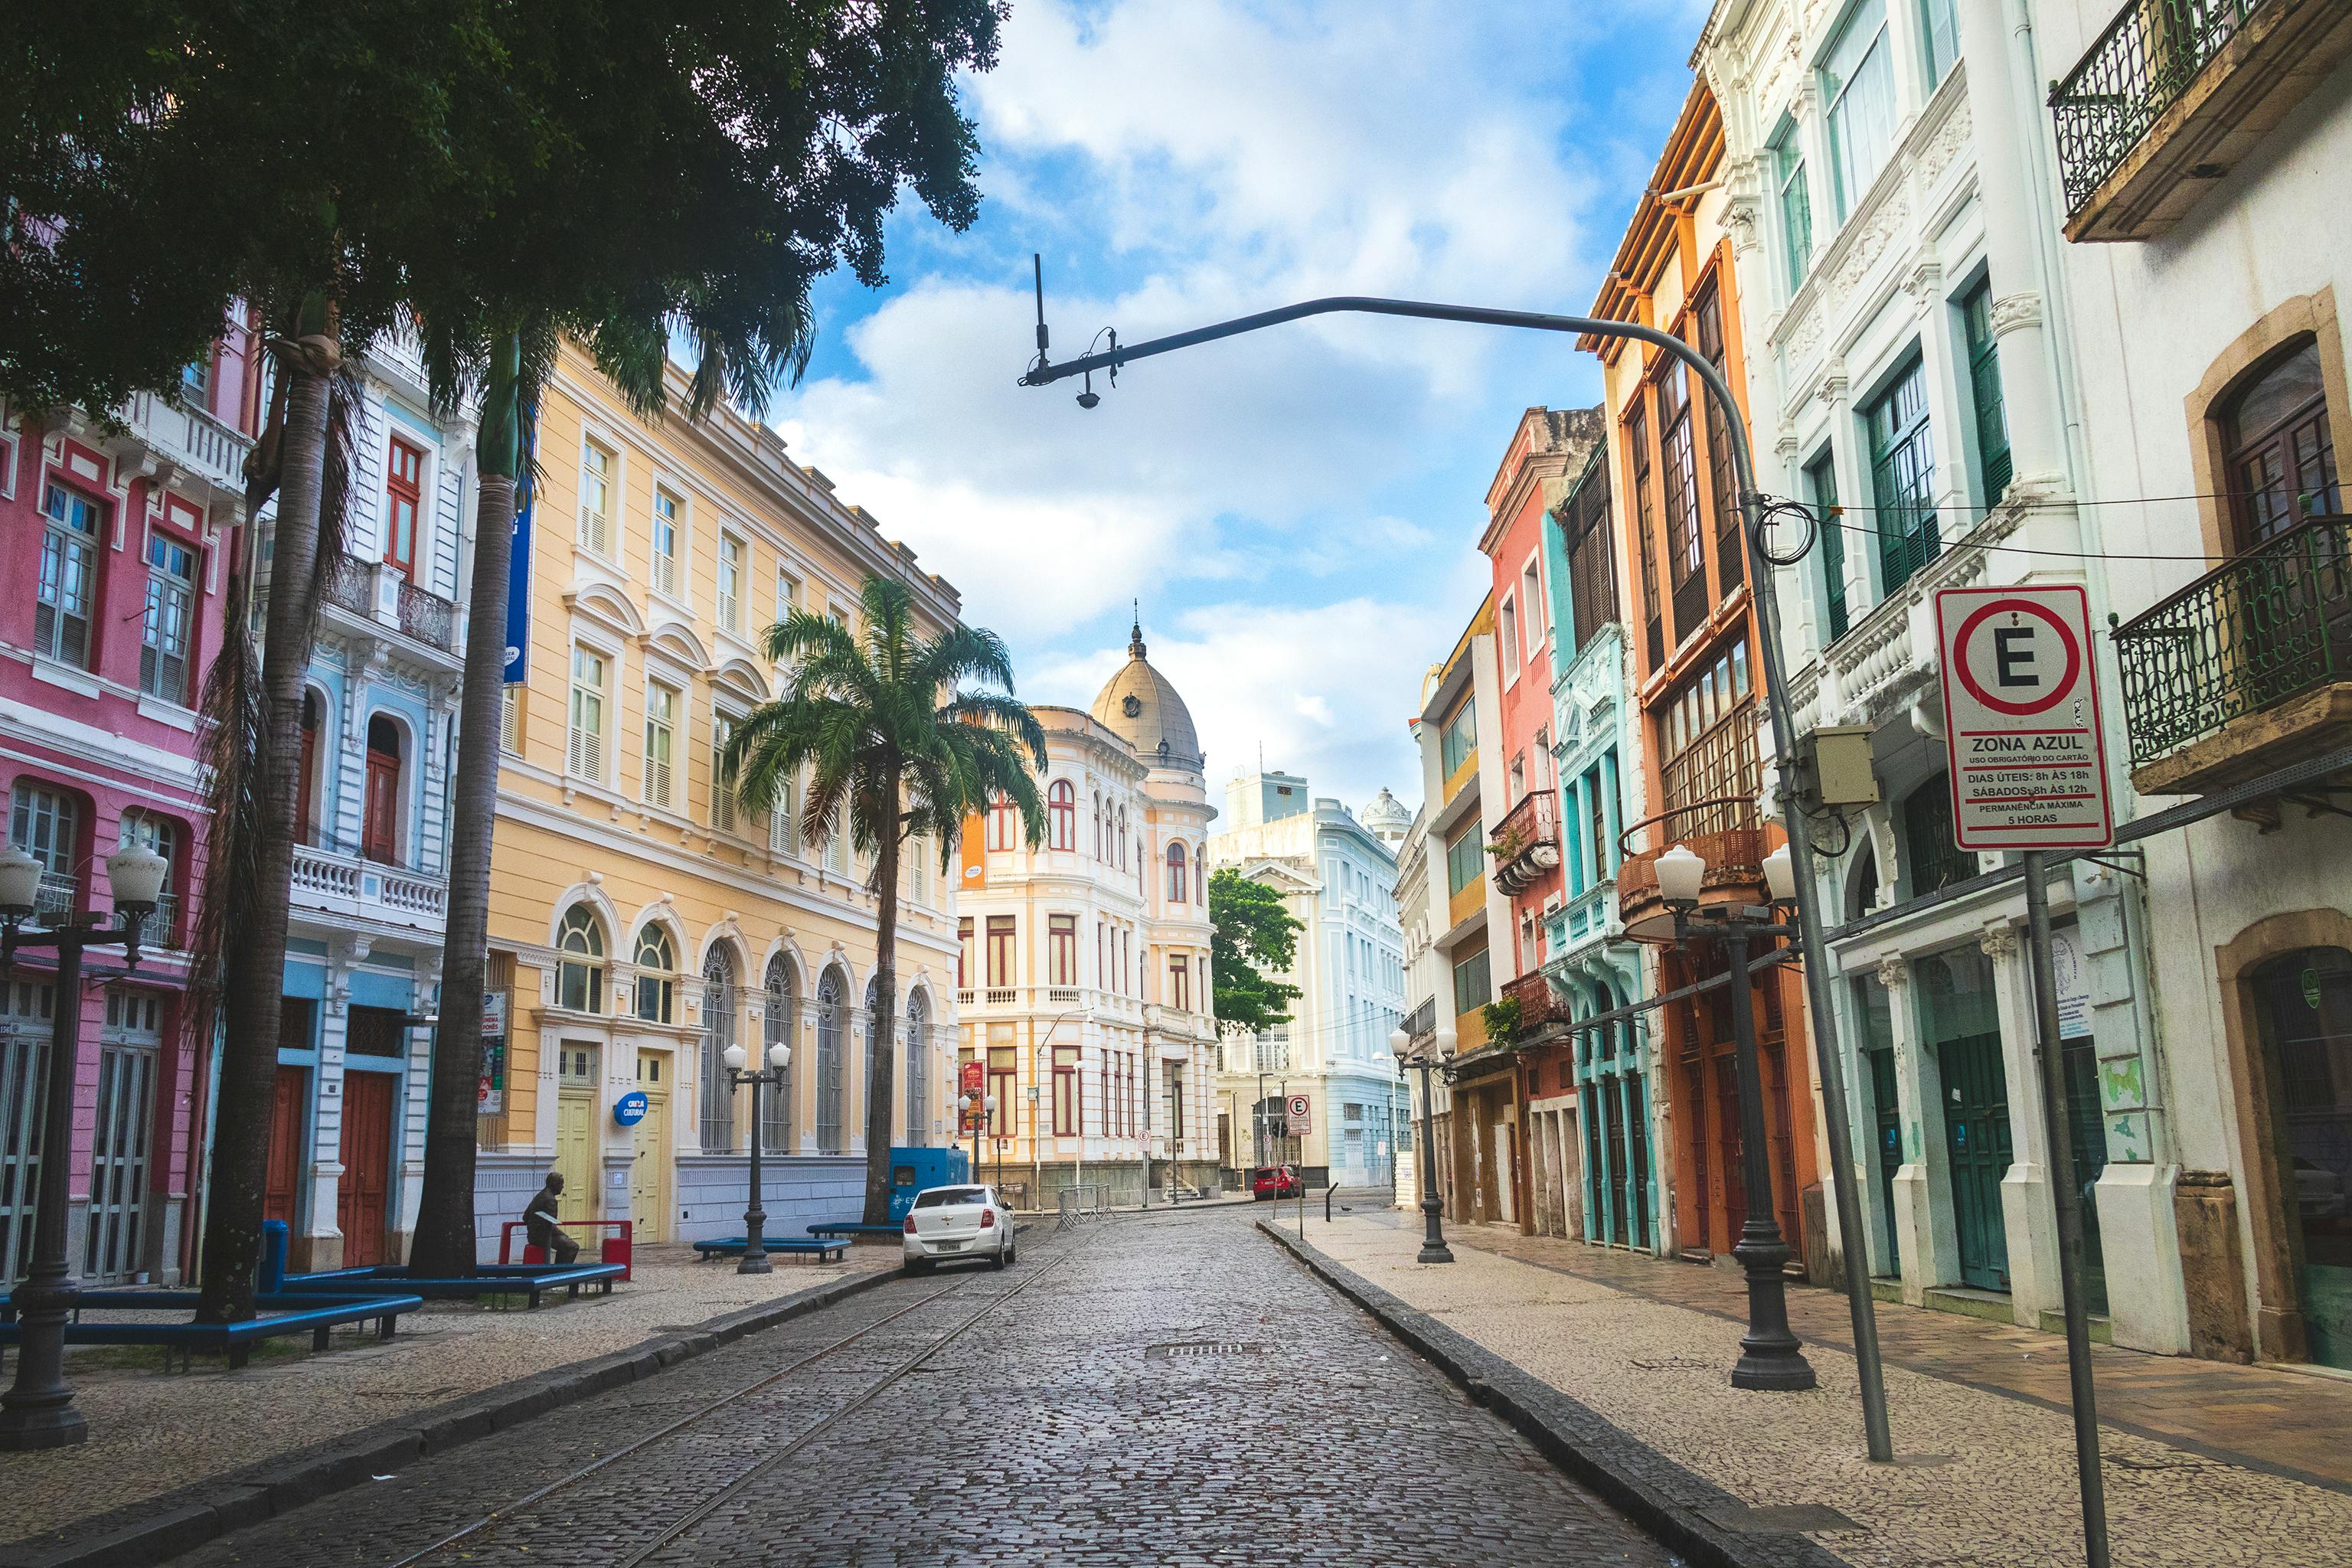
[(731, 584), (665, 543), (69, 576), (783, 823), (661, 730), (510, 720), (722, 789), (584, 747), (595, 499)]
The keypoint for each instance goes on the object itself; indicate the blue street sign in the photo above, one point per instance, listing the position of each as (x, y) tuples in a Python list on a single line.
[(630, 1108)]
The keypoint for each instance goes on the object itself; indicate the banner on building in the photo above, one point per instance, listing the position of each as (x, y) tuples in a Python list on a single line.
[(518, 665)]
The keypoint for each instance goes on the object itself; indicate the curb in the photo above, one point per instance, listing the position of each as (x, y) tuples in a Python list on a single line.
[(1669, 1502), (162, 1527)]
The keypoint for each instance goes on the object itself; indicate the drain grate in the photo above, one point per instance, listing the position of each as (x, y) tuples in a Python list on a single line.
[(1201, 1348)]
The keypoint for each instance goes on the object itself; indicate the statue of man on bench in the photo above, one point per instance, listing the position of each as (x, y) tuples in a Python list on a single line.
[(538, 1223)]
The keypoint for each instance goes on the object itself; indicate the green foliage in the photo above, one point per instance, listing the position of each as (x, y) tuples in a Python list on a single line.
[(1503, 1019), (878, 717), (1253, 937)]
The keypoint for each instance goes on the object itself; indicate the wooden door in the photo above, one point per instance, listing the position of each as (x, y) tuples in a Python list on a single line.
[(1610, 1125), (379, 828), (1727, 1156), (1635, 1108), (363, 1201), (282, 1181), (1976, 1134), (649, 1176), (575, 1150)]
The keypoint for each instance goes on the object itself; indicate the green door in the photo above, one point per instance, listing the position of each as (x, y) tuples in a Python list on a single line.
[(2306, 1003), (2089, 1135), (1890, 1150), (1963, 1023)]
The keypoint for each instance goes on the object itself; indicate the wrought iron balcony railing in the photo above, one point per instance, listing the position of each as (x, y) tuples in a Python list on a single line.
[(2136, 70), (2261, 628), (1422, 1022), (1526, 843), (374, 590), (1540, 1012)]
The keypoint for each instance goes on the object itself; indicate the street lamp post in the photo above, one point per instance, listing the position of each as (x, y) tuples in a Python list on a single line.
[(36, 1412), (755, 1217), (1432, 1240), (1769, 1356)]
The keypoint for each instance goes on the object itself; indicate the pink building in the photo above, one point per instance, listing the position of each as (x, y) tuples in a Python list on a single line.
[(114, 549)]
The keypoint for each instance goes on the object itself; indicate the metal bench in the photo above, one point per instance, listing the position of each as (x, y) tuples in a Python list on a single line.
[(288, 1312), (532, 1280), (825, 1250)]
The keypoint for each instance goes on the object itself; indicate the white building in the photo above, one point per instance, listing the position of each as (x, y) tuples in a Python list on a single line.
[(1338, 880)]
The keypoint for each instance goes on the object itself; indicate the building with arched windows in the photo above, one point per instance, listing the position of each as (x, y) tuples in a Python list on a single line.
[(642, 922), (1336, 878), (1083, 987)]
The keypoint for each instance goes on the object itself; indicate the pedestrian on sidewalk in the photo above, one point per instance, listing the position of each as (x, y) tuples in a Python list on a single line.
[(538, 1223)]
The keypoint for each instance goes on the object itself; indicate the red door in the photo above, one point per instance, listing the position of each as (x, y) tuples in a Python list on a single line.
[(362, 1203), (379, 827), (282, 1183)]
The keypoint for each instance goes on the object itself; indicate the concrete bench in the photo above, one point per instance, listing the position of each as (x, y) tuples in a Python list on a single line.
[(824, 1249), (285, 1312), (532, 1280)]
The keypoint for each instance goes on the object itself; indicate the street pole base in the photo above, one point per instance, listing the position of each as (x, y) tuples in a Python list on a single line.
[(758, 1265), (1786, 1372), (26, 1428), (1437, 1254)]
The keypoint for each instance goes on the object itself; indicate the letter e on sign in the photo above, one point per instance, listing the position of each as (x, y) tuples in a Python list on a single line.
[(2029, 766)]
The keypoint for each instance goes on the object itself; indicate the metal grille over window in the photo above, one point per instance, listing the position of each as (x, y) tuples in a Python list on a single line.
[(717, 1097), (776, 1105), (828, 1063), (919, 1070)]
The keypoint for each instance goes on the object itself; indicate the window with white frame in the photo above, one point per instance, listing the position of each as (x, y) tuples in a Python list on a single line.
[(171, 614), (511, 719), (731, 584), (68, 584), (784, 821), (664, 543), (595, 499), (584, 754), (1858, 84), (722, 789), (788, 594), (661, 744), (1531, 598), (1508, 619), (1796, 205)]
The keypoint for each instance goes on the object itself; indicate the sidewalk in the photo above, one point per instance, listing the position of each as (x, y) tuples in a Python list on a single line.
[(2205, 1463), (153, 1431)]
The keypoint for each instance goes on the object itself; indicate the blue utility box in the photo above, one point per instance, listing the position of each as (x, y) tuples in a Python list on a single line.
[(912, 1170)]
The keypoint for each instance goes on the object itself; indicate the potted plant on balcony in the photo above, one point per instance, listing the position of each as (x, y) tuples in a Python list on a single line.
[(1503, 1019)]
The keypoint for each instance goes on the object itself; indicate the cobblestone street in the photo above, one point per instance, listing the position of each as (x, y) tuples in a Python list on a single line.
[(1162, 1390)]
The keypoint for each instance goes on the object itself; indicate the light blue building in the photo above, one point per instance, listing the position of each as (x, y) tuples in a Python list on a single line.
[(370, 873), (1606, 1119)]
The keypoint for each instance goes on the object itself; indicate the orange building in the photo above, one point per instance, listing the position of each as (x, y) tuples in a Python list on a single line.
[(1698, 685)]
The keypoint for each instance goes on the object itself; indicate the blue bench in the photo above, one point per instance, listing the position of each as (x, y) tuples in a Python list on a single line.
[(532, 1280), (288, 1312), (824, 1249), (853, 1227)]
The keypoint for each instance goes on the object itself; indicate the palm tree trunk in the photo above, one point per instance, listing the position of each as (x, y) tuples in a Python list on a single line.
[(444, 1241), (252, 994), (879, 1077)]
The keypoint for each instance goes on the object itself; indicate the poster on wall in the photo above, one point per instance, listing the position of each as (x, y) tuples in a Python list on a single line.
[(2073, 975), (492, 1098)]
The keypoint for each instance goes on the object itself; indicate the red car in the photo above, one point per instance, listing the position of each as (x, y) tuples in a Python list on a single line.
[(1275, 1182)]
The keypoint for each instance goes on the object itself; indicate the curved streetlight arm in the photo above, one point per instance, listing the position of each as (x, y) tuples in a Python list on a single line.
[(1043, 373)]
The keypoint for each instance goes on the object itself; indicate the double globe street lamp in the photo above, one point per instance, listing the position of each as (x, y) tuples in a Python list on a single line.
[(1433, 1239), (771, 1078), (36, 1412), (1769, 1357)]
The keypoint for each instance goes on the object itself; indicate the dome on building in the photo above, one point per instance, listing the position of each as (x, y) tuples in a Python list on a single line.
[(1386, 818), (1140, 706)]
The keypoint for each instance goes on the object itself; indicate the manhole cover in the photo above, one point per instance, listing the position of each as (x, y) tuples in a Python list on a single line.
[(1750, 1520), (1674, 1364), (1200, 1348)]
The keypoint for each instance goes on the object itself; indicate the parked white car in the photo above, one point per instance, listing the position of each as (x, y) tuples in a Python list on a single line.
[(950, 1223)]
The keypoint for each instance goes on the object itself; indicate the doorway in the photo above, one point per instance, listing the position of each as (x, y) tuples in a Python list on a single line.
[(1964, 1029), (281, 1182), (2303, 1000), (575, 1128), (649, 1175), (363, 1200)]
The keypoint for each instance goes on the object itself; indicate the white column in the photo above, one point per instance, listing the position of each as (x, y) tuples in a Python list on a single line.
[(1923, 1237), (2025, 1202)]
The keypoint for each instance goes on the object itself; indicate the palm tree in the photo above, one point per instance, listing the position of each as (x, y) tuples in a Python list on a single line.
[(880, 720)]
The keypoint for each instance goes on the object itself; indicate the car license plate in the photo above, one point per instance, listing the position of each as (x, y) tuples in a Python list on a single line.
[(950, 1245)]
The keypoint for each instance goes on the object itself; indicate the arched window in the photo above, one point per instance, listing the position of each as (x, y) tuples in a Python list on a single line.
[(580, 963), (160, 835), (1199, 876), (2280, 448), (717, 1034), (655, 963), (1176, 873), (876, 1013), (828, 1063), (380, 817), (1102, 842), (1122, 839), (1062, 814), (776, 1108), (918, 1064), (306, 772)]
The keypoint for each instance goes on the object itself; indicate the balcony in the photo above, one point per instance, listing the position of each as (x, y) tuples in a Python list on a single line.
[(198, 445), (1587, 918), (2174, 94), (2246, 669), (1543, 1016), (382, 595), (1420, 1025), (1728, 834), (348, 888), (1525, 844)]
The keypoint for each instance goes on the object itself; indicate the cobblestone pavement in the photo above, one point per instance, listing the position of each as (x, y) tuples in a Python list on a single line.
[(152, 1431), (1984, 1480), (1057, 1428)]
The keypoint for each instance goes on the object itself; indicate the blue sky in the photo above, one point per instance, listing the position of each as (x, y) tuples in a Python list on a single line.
[(1298, 511)]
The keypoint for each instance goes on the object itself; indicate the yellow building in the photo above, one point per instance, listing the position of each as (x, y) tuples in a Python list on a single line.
[(639, 924)]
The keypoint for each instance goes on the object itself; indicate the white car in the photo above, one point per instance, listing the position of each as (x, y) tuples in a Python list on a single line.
[(949, 1223)]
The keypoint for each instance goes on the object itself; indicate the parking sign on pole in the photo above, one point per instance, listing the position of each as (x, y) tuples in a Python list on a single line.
[(2022, 718)]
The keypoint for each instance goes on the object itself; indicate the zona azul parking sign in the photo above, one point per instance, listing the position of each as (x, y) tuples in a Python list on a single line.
[(2022, 718)]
